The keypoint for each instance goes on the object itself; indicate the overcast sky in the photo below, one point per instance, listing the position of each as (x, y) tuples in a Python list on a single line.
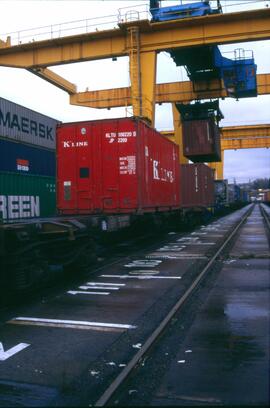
[(28, 90)]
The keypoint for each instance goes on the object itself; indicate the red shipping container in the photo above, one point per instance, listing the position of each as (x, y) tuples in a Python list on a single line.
[(115, 166), (197, 185), (201, 140)]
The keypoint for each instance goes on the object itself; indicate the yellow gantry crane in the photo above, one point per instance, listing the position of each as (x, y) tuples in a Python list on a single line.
[(141, 40), (232, 138)]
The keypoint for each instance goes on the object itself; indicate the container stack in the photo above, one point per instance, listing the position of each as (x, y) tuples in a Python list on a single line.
[(197, 185), (27, 163)]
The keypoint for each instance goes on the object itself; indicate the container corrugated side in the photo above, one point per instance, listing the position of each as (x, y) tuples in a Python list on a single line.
[(197, 185), (25, 159), (27, 126), (201, 140), (115, 166), (26, 196)]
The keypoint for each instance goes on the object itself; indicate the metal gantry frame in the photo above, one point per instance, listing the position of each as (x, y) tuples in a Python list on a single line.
[(141, 40), (232, 138)]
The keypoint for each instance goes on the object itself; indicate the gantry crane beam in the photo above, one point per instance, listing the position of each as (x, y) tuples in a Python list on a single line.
[(207, 30), (54, 79), (164, 93), (246, 137), (247, 131), (152, 38), (255, 142), (232, 138)]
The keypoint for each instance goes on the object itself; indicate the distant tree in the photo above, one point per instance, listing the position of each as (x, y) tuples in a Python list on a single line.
[(263, 183)]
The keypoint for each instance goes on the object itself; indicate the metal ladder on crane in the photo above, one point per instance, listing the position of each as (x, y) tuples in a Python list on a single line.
[(134, 70)]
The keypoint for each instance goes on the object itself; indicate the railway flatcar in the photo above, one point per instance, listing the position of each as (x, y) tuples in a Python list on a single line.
[(112, 176)]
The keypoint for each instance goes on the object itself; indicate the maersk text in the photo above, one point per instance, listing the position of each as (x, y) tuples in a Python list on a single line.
[(25, 125)]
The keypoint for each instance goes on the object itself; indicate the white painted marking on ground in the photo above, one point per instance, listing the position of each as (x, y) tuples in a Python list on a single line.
[(187, 239), (165, 256), (71, 322), (178, 256), (174, 248), (4, 355), (229, 261), (137, 346), (181, 361), (200, 243), (215, 229), (141, 277), (143, 272), (198, 233), (105, 284), (145, 263), (92, 372), (98, 287), (79, 292)]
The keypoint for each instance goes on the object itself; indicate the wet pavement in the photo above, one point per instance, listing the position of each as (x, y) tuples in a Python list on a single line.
[(229, 342), (63, 350), (224, 357), (229, 363)]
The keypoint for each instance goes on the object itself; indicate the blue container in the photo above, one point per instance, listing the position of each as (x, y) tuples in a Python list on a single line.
[(25, 159)]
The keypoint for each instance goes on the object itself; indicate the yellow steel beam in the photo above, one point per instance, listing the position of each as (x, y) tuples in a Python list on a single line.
[(55, 79), (245, 143), (207, 30), (232, 138), (247, 135), (245, 132), (164, 93)]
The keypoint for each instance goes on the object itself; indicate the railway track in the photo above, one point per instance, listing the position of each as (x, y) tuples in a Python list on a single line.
[(84, 345), (118, 382), (265, 210), (124, 385)]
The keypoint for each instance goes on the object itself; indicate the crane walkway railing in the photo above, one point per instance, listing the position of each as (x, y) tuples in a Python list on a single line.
[(90, 25), (125, 14)]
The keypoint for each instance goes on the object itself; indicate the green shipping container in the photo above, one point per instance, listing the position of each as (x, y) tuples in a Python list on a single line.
[(26, 196)]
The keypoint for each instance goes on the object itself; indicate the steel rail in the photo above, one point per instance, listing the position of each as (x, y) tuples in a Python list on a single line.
[(266, 216), (107, 395)]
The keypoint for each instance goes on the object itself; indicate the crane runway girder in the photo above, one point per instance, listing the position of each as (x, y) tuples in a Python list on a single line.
[(207, 30), (164, 93)]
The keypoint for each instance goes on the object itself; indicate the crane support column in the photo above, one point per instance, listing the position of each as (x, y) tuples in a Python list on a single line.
[(148, 80), (178, 136), (142, 69), (218, 167)]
